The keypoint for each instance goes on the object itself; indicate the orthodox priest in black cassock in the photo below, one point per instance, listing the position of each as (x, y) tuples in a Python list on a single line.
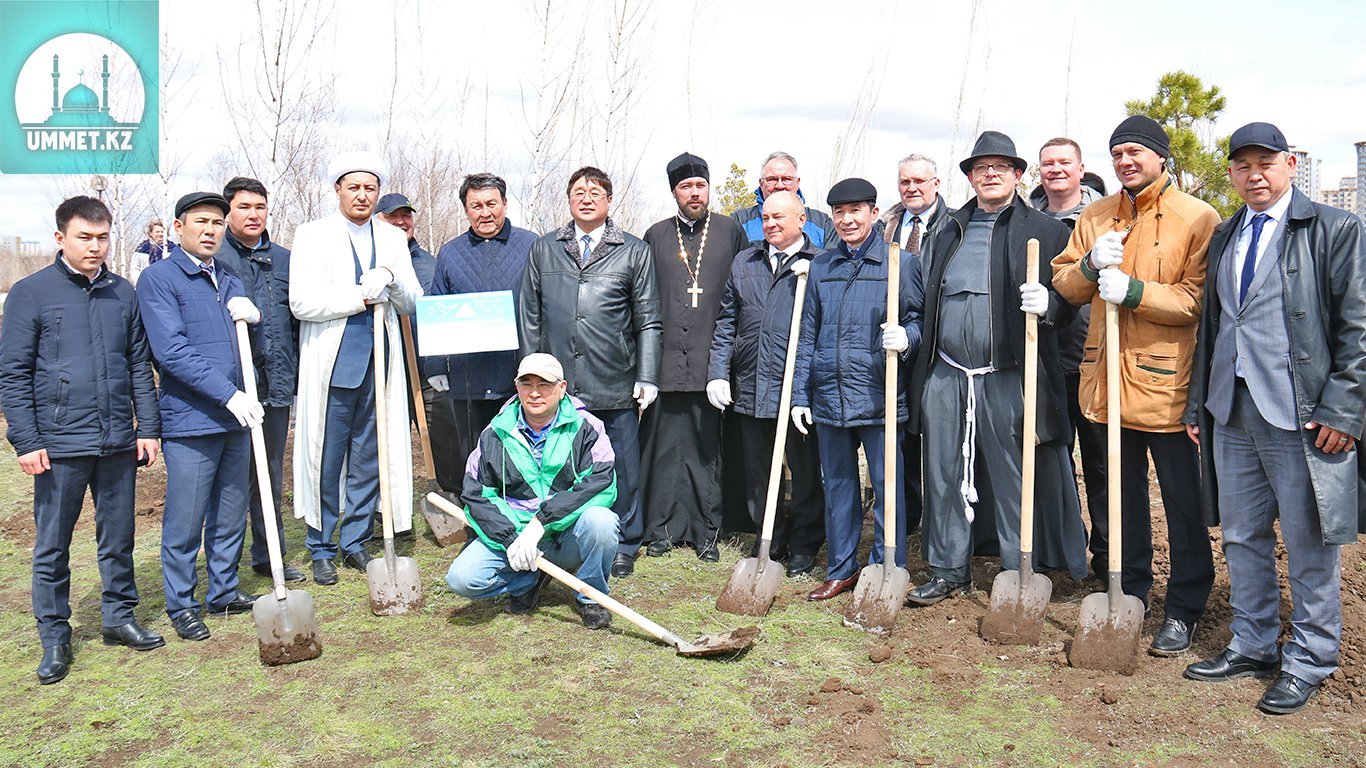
[(680, 462)]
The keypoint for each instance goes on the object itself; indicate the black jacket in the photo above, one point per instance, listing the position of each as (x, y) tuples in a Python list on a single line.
[(889, 229), (1014, 227), (75, 368), (601, 320), (264, 272)]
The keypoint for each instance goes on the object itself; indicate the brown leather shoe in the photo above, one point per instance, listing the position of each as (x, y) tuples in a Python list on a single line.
[(829, 589)]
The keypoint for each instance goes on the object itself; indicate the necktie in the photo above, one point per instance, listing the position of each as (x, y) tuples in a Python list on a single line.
[(1250, 259), (913, 239), (587, 249)]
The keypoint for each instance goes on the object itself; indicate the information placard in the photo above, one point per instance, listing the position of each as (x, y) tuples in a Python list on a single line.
[(466, 322)]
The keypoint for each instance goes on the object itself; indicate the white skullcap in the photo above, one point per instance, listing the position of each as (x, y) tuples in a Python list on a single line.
[(360, 160)]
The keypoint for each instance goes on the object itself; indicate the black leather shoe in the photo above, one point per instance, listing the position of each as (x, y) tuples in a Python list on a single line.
[(708, 553), (623, 565), (55, 664), (936, 590), (132, 635), (189, 626), (521, 605), (1228, 666), (241, 602), (292, 575), (324, 573), (798, 565), (358, 560), (658, 548), (1173, 639), (1287, 695), (594, 615)]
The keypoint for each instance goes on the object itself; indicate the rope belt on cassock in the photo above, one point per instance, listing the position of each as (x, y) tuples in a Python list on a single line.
[(968, 488)]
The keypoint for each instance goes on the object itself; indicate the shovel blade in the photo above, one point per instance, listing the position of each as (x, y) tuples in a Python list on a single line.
[(445, 529), (1015, 615), (1108, 639), (878, 597), (732, 642), (752, 587), (396, 592), (286, 630)]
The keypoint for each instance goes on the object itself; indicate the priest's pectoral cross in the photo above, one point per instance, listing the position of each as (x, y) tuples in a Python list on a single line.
[(696, 291)]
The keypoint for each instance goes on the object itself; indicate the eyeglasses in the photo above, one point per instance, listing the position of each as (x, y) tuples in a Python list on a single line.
[(788, 180), (541, 386), (982, 169), (917, 182), (592, 194)]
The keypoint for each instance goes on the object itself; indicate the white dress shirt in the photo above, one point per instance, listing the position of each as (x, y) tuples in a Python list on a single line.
[(1277, 213)]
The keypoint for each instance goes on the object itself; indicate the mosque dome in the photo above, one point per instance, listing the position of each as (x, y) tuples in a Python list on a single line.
[(80, 99)]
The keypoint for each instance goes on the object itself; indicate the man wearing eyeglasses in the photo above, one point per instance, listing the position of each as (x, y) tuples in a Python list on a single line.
[(1143, 250), (969, 381), (589, 298), (779, 174)]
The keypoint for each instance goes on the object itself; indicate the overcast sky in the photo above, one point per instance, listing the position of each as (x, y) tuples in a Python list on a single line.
[(734, 81)]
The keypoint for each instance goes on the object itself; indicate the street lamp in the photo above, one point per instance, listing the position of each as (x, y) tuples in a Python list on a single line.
[(99, 184)]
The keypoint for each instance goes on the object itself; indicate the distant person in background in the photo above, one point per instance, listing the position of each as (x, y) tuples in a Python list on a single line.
[(149, 251), (779, 174)]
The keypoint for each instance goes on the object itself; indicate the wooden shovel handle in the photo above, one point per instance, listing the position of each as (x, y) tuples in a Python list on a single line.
[(382, 433), (889, 431), (1112, 427), (1031, 398), (405, 324), (258, 455), (775, 473)]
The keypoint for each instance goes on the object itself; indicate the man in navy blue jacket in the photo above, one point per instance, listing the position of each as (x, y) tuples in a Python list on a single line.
[(490, 256), (189, 304), (77, 390)]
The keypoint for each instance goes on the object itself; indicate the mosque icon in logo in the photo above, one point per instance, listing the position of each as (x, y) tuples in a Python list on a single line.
[(80, 119)]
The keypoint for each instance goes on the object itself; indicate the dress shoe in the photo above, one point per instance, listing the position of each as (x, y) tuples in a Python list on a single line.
[(324, 573), (1287, 695), (292, 575), (241, 602), (658, 548), (623, 565), (937, 590), (708, 553), (1228, 666), (521, 605), (132, 635), (1173, 639), (55, 664), (833, 587), (594, 615), (358, 560), (798, 565), (189, 626)]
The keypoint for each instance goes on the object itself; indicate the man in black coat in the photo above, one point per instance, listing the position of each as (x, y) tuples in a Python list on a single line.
[(77, 390)]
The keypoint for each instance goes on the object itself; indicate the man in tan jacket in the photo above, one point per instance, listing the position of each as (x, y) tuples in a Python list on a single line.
[(1143, 250)]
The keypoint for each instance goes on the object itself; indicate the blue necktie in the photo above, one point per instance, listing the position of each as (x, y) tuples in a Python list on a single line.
[(1250, 259), (587, 249)]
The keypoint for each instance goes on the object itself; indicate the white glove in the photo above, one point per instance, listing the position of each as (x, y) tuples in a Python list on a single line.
[(439, 382), (718, 394), (801, 266), (1108, 250), (526, 547), (894, 338), (644, 394), (1114, 285), (374, 284), (241, 308), (246, 409), (1034, 299), (801, 413)]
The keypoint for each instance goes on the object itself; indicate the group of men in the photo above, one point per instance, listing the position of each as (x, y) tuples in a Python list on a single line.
[(648, 376)]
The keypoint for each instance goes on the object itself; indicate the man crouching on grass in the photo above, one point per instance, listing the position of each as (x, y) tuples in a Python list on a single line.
[(539, 482)]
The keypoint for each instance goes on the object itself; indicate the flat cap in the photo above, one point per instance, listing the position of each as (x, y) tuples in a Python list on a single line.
[(852, 190), (189, 201)]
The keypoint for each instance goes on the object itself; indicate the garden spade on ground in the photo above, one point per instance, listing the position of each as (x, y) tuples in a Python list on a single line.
[(1019, 598), (444, 529), (732, 642), (1109, 625), (395, 584), (882, 586), (286, 627), (755, 581)]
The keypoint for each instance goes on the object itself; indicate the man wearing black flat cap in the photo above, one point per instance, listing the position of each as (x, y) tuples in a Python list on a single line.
[(1143, 250), (680, 462), (970, 376), (1277, 403), (839, 382)]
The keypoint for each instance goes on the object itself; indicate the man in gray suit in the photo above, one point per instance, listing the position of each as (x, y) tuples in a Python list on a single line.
[(1277, 404)]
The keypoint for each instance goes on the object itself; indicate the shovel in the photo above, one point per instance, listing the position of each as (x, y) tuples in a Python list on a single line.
[(444, 530), (1109, 625), (1020, 598), (732, 642), (755, 581), (286, 628), (882, 587), (395, 585)]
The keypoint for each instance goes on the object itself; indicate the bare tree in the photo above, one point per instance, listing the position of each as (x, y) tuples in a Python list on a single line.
[(547, 103)]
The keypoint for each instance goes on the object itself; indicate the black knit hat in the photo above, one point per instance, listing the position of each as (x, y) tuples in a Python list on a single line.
[(853, 190), (1141, 129), (687, 166)]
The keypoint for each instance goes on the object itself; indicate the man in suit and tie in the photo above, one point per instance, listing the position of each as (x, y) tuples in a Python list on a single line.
[(1277, 404)]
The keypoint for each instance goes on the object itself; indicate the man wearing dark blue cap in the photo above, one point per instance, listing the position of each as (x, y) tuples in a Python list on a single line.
[(839, 382), (189, 305), (1277, 405)]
